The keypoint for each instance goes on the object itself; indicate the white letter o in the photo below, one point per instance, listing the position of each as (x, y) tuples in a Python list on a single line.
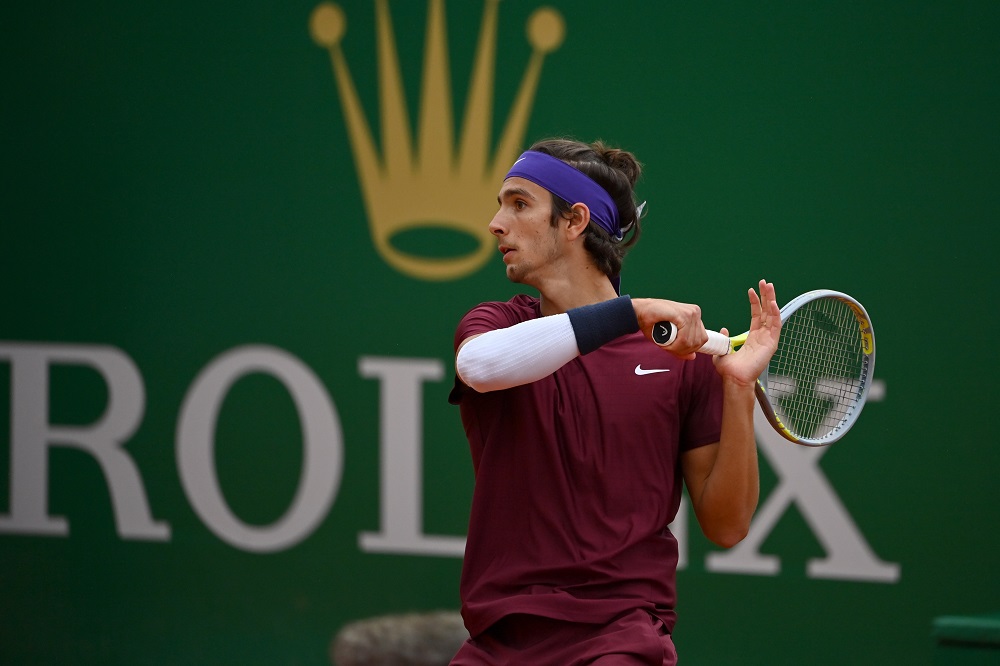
[(323, 445)]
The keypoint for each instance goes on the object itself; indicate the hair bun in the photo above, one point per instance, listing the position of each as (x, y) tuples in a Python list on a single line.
[(620, 160)]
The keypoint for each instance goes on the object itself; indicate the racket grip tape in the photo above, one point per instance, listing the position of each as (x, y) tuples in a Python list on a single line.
[(717, 345)]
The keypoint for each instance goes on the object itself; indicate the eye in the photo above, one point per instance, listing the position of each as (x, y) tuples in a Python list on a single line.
[(520, 204)]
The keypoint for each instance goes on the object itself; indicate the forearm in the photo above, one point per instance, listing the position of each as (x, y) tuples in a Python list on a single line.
[(724, 481), (517, 355), (729, 494)]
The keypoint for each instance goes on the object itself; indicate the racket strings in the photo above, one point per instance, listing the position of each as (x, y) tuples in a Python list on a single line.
[(815, 378)]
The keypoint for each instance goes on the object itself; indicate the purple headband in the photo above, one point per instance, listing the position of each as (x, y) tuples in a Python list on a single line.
[(570, 184)]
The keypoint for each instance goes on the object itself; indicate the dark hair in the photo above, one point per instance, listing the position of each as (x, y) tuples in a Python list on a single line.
[(617, 172)]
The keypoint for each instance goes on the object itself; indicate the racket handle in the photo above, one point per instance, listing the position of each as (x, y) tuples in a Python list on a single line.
[(664, 333), (717, 345)]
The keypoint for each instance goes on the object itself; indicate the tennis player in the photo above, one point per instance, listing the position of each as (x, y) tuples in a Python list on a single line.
[(582, 429)]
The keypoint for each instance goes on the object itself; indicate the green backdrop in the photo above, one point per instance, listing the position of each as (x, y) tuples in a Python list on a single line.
[(196, 317)]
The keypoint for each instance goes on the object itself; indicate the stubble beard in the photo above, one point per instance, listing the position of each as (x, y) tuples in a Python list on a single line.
[(520, 273)]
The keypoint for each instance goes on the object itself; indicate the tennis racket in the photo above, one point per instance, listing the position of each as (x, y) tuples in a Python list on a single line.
[(817, 382)]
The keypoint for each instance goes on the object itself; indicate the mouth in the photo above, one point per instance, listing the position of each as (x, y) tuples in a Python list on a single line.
[(505, 250)]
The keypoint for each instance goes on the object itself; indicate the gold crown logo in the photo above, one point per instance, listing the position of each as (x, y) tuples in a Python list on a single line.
[(437, 186)]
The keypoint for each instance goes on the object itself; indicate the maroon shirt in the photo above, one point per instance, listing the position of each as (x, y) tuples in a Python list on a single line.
[(577, 478)]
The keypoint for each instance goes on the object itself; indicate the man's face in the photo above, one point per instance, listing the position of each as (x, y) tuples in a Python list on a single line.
[(531, 246)]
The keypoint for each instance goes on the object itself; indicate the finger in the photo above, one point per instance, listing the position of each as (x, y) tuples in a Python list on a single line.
[(755, 304), (766, 290), (771, 300), (689, 356)]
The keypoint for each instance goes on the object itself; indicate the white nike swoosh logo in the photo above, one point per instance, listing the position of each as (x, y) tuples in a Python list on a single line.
[(640, 371)]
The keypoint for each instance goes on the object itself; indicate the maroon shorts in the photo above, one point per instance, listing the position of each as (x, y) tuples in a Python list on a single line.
[(634, 639)]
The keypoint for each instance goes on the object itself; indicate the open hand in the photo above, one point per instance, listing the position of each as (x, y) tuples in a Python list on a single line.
[(746, 364)]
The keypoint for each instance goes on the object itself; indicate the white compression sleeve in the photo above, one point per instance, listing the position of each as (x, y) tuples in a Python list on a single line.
[(520, 354)]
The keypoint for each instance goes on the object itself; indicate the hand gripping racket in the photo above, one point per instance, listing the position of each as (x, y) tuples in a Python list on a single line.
[(818, 379)]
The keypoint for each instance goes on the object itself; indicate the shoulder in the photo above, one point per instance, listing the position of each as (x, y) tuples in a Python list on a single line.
[(493, 315), (522, 305)]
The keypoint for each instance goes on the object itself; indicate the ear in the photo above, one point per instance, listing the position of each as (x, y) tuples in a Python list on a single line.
[(577, 224)]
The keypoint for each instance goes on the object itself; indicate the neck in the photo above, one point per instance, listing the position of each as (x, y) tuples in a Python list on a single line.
[(566, 291)]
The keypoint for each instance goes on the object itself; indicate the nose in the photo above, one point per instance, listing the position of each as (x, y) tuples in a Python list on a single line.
[(496, 228)]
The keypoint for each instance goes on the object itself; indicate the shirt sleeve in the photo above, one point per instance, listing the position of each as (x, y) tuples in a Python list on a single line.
[(702, 422), (484, 317)]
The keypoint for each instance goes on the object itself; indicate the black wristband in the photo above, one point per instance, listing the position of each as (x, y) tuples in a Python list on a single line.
[(600, 323)]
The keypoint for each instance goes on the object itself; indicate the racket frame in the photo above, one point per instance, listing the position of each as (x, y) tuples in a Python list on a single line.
[(720, 345), (867, 370)]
